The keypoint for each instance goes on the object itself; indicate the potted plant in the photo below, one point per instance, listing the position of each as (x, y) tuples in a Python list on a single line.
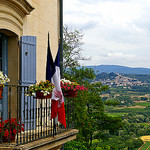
[(8, 129), (40, 90), (3, 80), (70, 89)]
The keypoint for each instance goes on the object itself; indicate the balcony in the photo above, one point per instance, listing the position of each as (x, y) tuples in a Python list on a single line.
[(34, 128)]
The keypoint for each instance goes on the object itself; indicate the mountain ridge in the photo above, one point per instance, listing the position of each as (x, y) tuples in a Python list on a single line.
[(119, 69)]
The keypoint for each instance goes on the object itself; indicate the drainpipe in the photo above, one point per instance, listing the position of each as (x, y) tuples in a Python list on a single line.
[(61, 38)]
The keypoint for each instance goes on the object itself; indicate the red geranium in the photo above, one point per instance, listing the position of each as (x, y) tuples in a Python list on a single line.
[(68, 85), (8, 128)]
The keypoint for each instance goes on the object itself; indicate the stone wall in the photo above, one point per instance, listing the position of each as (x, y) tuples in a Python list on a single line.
[(43, 19)]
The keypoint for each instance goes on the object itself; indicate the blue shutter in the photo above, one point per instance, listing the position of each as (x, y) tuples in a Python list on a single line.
[(28, 77), (28, 60)]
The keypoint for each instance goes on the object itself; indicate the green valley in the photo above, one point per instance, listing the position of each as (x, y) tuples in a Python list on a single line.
[(128, 97)]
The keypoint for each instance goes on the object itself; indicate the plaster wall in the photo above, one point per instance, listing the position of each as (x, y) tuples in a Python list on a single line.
[(19, 18), (43, 19), (10, 19)]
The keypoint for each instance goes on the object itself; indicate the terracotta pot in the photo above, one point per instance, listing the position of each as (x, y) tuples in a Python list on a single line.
[(70, 93), (1, 91), (40, 95)]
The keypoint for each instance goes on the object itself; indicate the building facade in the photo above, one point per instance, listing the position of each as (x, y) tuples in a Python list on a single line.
[(33, 18), (24, 28)]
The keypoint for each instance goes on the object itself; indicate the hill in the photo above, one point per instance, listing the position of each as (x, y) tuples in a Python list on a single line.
[(119, 69)]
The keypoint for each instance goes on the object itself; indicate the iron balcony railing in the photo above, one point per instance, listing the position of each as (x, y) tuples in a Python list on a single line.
[(28, 118)]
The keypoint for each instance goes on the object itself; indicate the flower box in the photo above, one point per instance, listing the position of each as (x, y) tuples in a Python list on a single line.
[(70, 89), (70, 93), (40, 90), (40, 95)]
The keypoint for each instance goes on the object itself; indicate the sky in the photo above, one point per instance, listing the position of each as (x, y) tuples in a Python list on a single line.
[(116, 32)]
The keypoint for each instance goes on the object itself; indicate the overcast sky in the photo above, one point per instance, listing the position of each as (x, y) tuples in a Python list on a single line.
[(116, 32)]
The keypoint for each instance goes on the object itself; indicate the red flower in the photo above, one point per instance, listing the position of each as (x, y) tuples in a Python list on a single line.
[(22, 129), (75, 90), (14, 131), (8, 128), (6, 134), (68, 85)]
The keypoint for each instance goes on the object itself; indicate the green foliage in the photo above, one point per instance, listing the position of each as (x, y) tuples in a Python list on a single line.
[(106, 76), (112, 124), (133, 143), (119, 143), (111, 103), (145, 146), (89, 109), (144, 98), (145, 89), (143, 104), (116, 114), (106, 147), (124, 100), (72, 47), (135, 120), (82, 75), (140, 77), (97, 130), (75, 145)]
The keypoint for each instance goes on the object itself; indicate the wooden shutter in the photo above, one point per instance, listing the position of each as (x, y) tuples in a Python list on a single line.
[(28, 77), (28, 60)]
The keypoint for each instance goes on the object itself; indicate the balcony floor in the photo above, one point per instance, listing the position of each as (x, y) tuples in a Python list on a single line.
[(44, 144)]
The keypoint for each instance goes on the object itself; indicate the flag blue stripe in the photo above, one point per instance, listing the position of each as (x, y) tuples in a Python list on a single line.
[(50, 67), (57, 59)]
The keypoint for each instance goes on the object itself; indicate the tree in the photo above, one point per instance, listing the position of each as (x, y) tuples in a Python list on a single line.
[(88, 106), (72, 47), (89, 109)]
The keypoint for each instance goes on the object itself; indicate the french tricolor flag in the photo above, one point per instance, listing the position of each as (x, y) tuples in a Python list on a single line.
[(53, 75)]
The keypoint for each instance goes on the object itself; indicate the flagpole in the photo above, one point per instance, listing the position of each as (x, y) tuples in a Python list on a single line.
[(61, 38), (61, 45)]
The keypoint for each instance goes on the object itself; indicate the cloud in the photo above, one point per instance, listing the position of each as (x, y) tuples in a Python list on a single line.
[(121, 1), (115, 31), (118, 59)]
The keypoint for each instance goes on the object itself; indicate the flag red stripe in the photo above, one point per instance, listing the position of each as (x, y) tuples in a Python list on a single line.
[(54, 109), (61, 115)]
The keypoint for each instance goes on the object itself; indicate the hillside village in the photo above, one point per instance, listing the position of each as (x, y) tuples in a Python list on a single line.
[(120, 80)]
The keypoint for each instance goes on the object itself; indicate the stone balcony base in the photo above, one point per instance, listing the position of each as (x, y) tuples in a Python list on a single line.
[(49, 143)]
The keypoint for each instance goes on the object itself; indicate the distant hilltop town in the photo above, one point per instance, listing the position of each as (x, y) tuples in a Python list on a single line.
[(120, 80)]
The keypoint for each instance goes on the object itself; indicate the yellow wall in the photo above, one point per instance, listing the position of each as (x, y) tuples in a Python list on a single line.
[(43, 19), (19, 18)]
